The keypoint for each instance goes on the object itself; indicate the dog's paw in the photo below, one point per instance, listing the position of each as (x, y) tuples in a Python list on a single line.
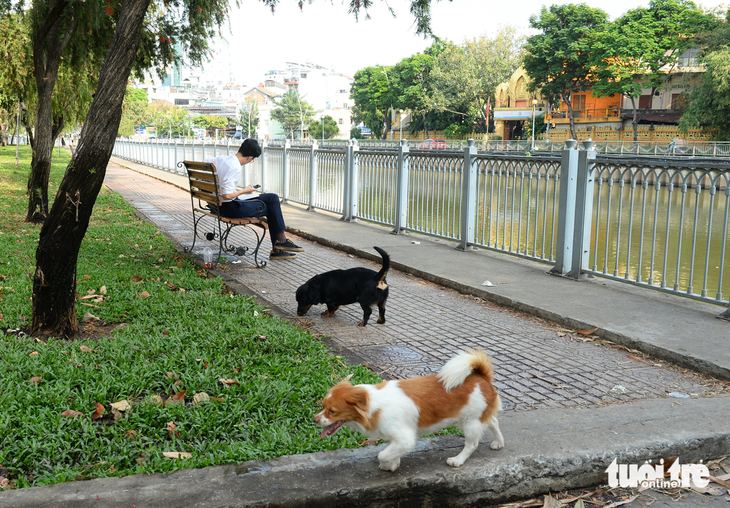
[(497, 444), (362, 323), (380, 321), (389, 465), (454, 461)]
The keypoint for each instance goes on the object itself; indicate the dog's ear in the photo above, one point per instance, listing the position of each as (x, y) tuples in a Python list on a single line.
[(359, 401)]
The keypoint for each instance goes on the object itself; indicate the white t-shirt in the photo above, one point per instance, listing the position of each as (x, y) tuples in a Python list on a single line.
[(229, 174)]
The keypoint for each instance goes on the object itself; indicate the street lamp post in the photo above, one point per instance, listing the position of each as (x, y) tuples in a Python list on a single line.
[(532, 145)]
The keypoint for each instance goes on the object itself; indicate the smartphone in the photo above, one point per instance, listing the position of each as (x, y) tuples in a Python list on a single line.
[(257, 186)]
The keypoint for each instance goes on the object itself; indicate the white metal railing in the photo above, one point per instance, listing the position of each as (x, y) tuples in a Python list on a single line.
[(657, 222)]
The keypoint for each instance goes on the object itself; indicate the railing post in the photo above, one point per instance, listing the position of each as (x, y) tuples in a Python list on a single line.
[(583, 210), (264, 149), (352, 171), (566, 208), (401, 187), (285, 175), (312, 174), (468, 195), (346, 183)]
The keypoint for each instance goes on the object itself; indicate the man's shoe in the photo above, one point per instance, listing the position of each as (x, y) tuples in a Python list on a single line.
[(288, 246), (280, 254)]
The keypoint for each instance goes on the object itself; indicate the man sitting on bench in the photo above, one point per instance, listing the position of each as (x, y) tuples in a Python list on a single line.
[(246, 203)]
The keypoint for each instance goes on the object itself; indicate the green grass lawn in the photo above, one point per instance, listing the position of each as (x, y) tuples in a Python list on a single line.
[(167, 332)]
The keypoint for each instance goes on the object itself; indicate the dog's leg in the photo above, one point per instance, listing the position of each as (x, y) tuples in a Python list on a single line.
[(381, 313), (366, 311), (390, 457), (498, 442), (331, 309), (473, 429)]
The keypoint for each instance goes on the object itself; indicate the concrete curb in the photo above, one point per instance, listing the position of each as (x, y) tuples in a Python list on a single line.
[(575, 455)]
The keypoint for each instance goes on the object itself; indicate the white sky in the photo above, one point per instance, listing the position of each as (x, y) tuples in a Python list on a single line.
[(324, 33)]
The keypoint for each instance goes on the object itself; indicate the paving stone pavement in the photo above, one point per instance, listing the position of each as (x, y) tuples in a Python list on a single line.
[(537, 364)]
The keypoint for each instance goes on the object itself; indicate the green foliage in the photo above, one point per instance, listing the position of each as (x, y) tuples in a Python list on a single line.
[(210, 122), (465, 77), (186, 335), (135, 111), (645, 42), (709, 102), (558, 60), (370, 92), (292, 112), (356, 134), (331, 129)]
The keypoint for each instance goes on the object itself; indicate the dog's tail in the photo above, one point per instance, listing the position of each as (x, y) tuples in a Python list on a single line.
[(380, 277), (461, 366)]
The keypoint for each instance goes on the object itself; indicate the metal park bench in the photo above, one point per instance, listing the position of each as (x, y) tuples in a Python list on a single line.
[(204, 189)]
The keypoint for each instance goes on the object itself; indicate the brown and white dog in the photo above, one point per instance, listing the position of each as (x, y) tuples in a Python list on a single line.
[(403, 410)]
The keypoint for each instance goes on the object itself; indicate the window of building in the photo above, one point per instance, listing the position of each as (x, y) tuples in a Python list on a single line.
[(182, 102), (679, 101), (644, 101), (340, 121)]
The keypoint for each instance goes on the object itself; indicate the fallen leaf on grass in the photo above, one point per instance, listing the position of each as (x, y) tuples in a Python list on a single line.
[(178, 397), (102, 290), (140, 460), (130, 434), (136, 278), (144, 294), (85, 349), (98, 411), (171, 429), (117, 414), (3, 482), (70, 413), (122, 405), (36, 379), (228, 382), (369, 442), (177, 455), (88, 317), (200, 397), (34, 353)]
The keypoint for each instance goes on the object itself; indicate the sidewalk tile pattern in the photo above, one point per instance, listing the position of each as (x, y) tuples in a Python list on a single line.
[(536, 364)]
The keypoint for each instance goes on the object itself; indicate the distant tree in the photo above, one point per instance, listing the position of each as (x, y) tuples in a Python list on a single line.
[(465, 77), (331, 129), (413, 87), (641, 48), (292, 112), (210, 122), (371, 93), (135, 111), (249, 114), (356, 134), (709, 102), (559, 60)]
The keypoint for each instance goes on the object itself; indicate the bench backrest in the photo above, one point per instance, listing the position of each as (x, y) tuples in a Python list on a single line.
[(203, 179)]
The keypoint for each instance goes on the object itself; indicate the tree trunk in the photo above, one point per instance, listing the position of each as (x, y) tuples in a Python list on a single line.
[(54, 281), (568, 102), (46, 61)]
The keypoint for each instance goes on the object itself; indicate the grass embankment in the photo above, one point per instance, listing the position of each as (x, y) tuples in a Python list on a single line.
[(173, 331)]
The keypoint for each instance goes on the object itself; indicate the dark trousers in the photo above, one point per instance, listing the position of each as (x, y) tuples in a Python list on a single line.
[(265, 204)]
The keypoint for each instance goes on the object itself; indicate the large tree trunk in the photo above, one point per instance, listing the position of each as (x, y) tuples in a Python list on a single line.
[(567, 99), (54, 281)]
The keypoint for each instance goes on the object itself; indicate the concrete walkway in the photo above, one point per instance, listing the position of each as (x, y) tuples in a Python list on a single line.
[(573, 402)]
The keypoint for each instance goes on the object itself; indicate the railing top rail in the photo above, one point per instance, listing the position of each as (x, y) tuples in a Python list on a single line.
[(683, 163)]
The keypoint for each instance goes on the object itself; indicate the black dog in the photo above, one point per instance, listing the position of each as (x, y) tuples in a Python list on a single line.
[(343, 287)]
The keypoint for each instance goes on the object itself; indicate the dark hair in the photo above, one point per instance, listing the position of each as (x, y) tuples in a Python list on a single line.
[(250, 148)]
